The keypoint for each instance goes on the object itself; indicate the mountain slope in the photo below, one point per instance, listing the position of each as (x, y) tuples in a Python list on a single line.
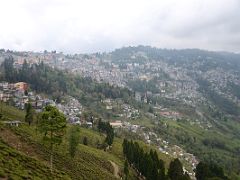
[(27, 143), (88, 163), (16, 165), (189, 98)]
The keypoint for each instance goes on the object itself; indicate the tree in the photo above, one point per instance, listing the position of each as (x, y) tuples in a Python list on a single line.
[(52, 124), (73, 140), (106, 127), (147, 164), (126, 170), (202, 171), (85, 141), (175, 171), (110, 136), (125, 146), (150, 110), (205, 171), (30, 113), (161, 168), (23, 75), (9, 71)]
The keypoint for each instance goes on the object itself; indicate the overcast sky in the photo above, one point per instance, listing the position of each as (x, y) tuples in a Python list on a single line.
[(77, 26)]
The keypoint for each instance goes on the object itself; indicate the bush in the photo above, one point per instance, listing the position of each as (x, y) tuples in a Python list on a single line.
[(85, 141)]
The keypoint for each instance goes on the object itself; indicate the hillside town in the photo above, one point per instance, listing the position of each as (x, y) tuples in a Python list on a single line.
[(163, 146), (18, 94), (174, 82), (170, 82)]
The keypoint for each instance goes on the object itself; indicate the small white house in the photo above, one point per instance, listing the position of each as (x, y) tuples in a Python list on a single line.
[(13, 123)]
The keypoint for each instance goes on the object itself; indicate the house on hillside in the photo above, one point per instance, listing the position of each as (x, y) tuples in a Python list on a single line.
[(21, 86), (12, 123), (116, 124), (138, 96), (89, 124)]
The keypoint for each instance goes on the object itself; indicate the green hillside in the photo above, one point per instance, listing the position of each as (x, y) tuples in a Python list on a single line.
[(24, 144), (85, 165), (16, 165)]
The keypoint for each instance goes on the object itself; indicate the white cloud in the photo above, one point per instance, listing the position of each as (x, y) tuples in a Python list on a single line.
[(93, 25)]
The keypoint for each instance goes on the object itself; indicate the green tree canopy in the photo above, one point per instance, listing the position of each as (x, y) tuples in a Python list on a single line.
[(209, 171), (126, 170), (73, 140), (175, 171), (52, 124), (30, 113)]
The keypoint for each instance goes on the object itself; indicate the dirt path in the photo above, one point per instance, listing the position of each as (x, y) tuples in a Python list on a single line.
[(115, 169)]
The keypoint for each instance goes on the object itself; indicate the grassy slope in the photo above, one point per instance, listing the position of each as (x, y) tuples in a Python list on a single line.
[(16, 165), (224, 157), (10, 112), (89, 162), (84, 166)]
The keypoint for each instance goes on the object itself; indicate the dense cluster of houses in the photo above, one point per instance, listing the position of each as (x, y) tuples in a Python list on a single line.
[(125, 125), (125, 110), (9, 91), (130, 112), (18, 94), (72, 110), (170, 114), (164, 146)]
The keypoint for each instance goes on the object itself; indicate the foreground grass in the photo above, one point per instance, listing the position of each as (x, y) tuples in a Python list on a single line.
[(15, 165), (27, 141), (85, 165)]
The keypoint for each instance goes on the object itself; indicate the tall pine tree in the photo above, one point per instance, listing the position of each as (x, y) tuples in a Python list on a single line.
[(52, 124)]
